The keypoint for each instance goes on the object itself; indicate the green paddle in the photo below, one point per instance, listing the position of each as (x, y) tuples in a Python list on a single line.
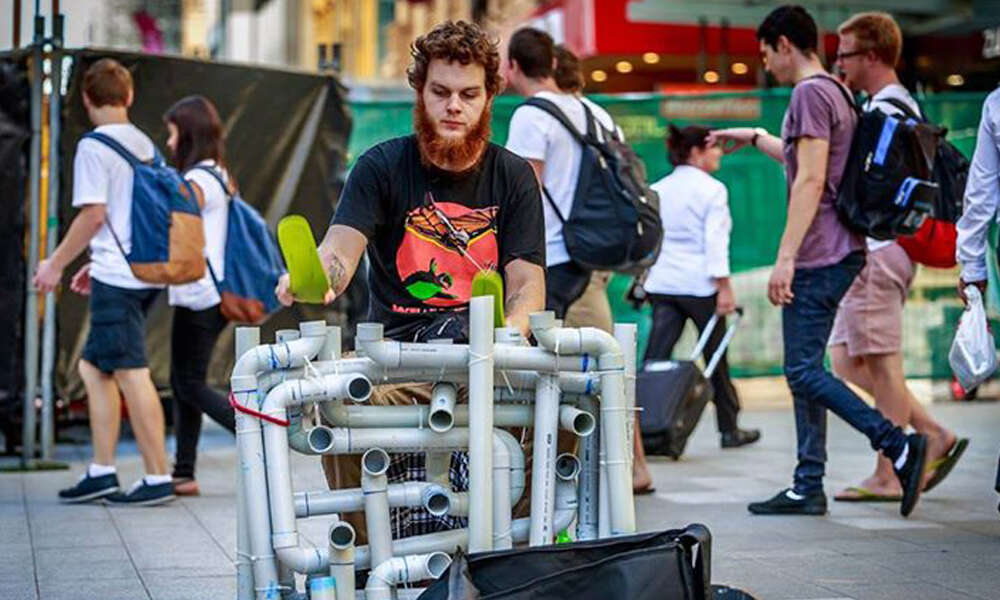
[(489, 283), (307, 279)]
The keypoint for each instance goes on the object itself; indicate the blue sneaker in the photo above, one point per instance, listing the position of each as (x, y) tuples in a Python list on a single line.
[(144, 494), (90, 488)]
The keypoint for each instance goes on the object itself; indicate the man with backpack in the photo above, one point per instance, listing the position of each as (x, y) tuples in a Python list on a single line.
[(537, 133), (818, 259), (866, 343), (114, 362)]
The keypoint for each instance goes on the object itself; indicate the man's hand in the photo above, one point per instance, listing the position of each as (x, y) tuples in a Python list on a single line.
[(81, 281), (284, 293), (962, 285), (731, 139), (725, 302), (779, 286), (47, 277), (520, 322)]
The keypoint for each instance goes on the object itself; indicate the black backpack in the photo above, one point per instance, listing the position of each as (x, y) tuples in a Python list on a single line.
[(614, 223), (887, 189), (951, 170)]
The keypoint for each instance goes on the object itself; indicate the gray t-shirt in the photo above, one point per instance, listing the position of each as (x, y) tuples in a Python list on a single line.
[(819, 110)]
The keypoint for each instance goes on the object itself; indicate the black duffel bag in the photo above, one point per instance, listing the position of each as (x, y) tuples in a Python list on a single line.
[(668, 565)]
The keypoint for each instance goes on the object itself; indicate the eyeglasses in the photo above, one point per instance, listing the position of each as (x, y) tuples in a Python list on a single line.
[(843, 55)]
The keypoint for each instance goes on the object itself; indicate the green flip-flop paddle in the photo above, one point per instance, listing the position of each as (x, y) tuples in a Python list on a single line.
[(489, 283), (307, 279)]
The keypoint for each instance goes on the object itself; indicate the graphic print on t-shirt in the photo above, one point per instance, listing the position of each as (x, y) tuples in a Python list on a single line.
[(444, 246)]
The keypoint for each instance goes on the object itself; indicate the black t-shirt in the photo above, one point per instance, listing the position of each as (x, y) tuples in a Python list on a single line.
[(430, 231)]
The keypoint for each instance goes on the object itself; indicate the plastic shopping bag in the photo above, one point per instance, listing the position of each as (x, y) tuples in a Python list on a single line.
[(973, 356)]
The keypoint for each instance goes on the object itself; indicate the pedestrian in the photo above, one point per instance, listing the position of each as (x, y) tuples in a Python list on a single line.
[(113, 363), (592, 308), (553, 153), (867, 339), (396, 203), (690, 279), (197, 144), (818, 259), (982, 195)]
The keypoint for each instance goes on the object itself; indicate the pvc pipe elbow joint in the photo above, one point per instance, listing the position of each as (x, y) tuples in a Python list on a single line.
[(577, 421), (374, 464), (342, 536)]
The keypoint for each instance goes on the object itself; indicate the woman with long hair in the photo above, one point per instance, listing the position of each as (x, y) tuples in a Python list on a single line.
[(197, 145), (690, 279)]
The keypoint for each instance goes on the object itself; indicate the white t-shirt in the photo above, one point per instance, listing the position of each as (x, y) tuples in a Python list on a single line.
[(880, 101), (202, 294), (694, 210), (536, 135), (102, 176)]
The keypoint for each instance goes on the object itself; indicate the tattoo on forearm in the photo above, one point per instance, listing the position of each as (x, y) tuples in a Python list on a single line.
[(336, 271), (510, 304)]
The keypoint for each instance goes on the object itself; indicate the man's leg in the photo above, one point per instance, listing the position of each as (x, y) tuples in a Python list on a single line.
[(104, 410), (146, 417), (668, 324)]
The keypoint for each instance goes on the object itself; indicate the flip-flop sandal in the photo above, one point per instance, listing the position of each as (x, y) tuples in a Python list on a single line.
[(489, 283), (864, 495), (307, 279), (942, 467), (644, 491)]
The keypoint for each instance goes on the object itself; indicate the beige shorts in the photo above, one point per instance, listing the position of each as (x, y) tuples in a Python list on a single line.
[(870, 317), (592, 309)]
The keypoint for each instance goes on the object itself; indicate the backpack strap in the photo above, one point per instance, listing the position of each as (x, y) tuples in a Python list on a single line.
[(121, 150), (215, 175), (843, 90), (904, 108), (553, 110)]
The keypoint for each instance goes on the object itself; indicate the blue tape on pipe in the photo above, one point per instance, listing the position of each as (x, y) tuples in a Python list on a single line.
[(322, 583), (587, 389), (586, 359)]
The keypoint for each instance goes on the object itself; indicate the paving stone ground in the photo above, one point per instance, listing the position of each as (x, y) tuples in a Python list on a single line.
[(948, 549)]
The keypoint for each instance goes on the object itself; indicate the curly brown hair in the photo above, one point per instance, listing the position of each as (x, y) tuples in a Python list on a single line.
[(455, 41)]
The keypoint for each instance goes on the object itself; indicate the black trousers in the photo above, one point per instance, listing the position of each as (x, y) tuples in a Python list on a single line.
[(669, 315), (193, 339), (564, 284)]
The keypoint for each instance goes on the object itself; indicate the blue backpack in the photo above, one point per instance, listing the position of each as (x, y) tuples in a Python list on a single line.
[(168, 239), (253, 263)]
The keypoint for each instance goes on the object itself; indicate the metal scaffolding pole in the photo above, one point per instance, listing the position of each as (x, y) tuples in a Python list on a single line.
[(51, 240), (31, 296)]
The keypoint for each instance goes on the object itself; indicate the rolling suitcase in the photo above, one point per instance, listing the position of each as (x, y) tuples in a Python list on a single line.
[(672, 394)]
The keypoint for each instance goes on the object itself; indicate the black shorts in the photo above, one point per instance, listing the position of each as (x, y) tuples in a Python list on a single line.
[(117, 327)]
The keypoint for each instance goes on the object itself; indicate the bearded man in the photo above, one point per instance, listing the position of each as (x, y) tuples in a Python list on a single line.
[(432, 209)]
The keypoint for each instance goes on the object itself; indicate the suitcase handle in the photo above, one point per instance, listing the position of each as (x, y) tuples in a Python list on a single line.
[(707, 333)]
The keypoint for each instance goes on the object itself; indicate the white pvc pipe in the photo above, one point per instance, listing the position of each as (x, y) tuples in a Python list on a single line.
[(328, 502), (245, 338), (590, 467), (450, 541), (581, 423), (374, 465), (341, 548), (404, 569), (625, 334), (442, 407), (480, 352), (611, 366), (543, 460)]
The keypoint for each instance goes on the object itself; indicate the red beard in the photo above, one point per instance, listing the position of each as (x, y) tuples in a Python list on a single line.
[(448, 154)]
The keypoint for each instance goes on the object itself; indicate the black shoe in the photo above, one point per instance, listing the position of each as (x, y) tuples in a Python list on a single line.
[(90, 488), (144, 494), (783, 504), (911, 476), (740, 437)]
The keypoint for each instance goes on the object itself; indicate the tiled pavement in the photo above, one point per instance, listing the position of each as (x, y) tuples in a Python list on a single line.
[(949, 548)]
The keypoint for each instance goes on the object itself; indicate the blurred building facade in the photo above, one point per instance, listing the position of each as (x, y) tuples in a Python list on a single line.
[(627, 45)]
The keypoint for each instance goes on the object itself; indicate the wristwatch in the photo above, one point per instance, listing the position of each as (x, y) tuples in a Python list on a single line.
[(757, 132)]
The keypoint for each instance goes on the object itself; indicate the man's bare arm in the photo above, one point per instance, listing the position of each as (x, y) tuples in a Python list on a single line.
[(806, 193), (339, 253), (525, 293), (84, 227), (538, 166)]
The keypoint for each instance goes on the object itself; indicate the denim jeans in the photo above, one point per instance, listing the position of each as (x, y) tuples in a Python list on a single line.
[(806, 325)]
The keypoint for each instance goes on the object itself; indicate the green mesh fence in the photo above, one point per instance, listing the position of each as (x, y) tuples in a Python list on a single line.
[(757, 199)]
